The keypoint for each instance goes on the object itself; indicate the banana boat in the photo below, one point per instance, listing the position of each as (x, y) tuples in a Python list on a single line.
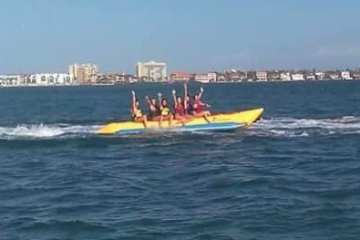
[(219, 121)]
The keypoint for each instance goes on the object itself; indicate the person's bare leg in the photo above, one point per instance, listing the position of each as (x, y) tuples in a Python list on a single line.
[(160, 121), (206, 116), (183, 121), (189, 117), (170, 120)]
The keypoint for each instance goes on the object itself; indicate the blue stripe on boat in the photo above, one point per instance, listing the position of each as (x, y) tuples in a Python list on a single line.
[(211, 126), (198, 127)]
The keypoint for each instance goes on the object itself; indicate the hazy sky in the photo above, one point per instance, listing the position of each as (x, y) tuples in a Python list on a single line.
[(191, 35)]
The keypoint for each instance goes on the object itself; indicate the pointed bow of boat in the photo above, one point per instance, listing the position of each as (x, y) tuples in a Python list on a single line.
[(251, 116)]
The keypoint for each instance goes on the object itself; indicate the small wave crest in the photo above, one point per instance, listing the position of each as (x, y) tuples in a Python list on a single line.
[(294, 127), (46, 131)]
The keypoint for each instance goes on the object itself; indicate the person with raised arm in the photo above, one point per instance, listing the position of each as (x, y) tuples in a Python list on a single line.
[(165, 112), (179, 108), (136, 113), (199, 106), (154, 111), (187, 102)]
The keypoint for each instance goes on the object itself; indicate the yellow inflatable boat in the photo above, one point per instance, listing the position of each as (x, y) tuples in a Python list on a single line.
[(220, 121)]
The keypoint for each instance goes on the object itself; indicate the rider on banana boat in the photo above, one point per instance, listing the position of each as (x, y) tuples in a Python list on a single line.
[(179, 107), (199, 106), (136, 113), (154, 111), (187, 102), (165, 112)]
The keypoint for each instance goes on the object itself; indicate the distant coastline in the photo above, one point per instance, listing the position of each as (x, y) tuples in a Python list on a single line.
[(157, 72), (174, 82)]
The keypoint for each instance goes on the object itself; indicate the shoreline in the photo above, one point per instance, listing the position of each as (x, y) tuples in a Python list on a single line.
[(175, 82)]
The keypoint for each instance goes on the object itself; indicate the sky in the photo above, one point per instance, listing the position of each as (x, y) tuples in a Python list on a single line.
[(190, 35)]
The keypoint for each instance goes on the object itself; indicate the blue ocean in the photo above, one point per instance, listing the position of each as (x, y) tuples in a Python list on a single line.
[(295, 174)]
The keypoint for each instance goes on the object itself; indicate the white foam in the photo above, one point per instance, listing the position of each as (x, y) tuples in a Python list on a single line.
[(274, 127), (46, 131), (294, 127)]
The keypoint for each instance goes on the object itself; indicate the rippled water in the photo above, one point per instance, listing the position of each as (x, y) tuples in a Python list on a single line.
[(292, 175)]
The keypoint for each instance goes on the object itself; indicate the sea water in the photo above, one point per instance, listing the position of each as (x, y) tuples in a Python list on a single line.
[(295, 174)]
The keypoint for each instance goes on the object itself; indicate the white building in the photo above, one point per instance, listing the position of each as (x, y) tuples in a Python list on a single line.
[(152, 71), (320, 75), (206, 77), (285, 76), (310, 77), (297, 77), (335, 76), (261, 76), (346, 75), (11, 80), (50, 79), (212, 76)]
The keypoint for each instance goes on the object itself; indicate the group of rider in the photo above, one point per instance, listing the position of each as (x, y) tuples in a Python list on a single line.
[(185, 108)]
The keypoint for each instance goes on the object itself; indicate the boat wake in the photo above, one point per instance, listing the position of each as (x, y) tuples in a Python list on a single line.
[(293, 127), (47, 131), (274, 127)]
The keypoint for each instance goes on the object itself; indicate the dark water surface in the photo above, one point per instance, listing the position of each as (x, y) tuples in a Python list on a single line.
[(293, 175)]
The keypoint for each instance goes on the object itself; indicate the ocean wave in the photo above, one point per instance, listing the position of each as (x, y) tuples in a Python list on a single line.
[(46, 131), (295, 127)]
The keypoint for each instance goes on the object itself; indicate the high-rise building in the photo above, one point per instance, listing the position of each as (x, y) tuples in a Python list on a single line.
[(151, 71), (84, 73)]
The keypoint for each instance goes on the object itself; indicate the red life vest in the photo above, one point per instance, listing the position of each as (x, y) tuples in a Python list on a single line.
[(198, 106), (179, 109)]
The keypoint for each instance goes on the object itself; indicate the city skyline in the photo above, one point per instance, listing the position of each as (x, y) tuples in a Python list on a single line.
[(44, 36), (151, 71)]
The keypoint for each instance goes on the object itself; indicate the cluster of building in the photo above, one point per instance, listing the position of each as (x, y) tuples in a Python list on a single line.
[(281, 75), (39, 79), (78, 74), (234, 75), (89, 74)]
